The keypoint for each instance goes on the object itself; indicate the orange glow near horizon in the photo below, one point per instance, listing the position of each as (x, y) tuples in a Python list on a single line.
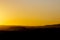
[(29, 12)]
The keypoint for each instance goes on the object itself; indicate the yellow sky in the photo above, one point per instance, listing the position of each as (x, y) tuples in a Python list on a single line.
[(29, 12)]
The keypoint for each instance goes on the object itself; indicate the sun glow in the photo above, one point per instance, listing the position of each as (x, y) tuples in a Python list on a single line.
[(1, 20)]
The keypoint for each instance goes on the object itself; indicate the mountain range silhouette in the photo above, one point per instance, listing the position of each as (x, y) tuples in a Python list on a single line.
[(19, 31), (33, 28)]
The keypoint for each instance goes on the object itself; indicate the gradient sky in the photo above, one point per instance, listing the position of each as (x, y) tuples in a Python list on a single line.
[(29, 12)]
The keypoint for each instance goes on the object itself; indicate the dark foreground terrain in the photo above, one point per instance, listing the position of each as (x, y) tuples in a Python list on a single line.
[(47, 28), (19, 31)]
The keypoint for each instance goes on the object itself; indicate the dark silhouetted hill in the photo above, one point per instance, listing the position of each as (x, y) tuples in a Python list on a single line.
[(36, 28), (19, 31)]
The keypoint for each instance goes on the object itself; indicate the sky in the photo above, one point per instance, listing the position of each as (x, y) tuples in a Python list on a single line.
[(29, 12)]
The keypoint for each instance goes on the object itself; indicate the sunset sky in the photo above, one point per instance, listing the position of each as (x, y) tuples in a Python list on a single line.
[(29, 12)]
